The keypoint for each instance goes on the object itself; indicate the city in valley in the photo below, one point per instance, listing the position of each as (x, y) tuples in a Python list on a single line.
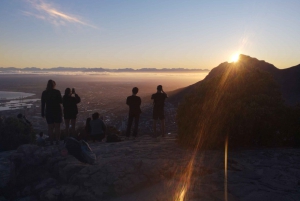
[(103, 93)]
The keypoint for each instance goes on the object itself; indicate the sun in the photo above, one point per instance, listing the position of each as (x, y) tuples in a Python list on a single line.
[(235, 57)]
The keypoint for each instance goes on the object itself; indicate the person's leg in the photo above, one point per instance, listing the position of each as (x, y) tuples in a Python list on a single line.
[(50, 133), (57, 132), (130, 120), (67, 123), (162, 122), (154, 128), (136, 125), (73, 124), (162, 127)]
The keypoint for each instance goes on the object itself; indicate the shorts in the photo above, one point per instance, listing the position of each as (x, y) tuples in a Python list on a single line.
[(70, 116), (53, 118), (158, 114)]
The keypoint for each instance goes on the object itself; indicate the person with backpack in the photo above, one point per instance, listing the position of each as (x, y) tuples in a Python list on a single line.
[(70, 101), (98, 128), (158, 109), (51, 108), (134, 103)]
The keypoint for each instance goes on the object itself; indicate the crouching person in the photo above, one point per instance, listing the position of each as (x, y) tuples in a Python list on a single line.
[(98, 128)]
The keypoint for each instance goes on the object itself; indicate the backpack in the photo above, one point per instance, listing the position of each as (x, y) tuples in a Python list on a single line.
[(80, 150)]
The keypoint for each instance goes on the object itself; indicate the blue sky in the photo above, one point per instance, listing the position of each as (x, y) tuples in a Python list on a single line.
[(145, 34)]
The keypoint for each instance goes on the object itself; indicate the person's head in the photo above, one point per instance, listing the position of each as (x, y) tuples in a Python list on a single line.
[(135, 90), (159, 88), (41, 134), (50, 85), (95, 115), (20, 116), (67, 92)]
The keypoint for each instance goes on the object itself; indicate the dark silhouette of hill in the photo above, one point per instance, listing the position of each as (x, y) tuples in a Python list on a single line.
[(248, 101), (288, 79)]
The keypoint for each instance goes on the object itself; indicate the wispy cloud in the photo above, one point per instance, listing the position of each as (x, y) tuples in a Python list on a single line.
[(48, 12)]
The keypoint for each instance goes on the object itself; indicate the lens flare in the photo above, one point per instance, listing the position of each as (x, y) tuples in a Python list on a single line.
[(205, 126), (235, 57)]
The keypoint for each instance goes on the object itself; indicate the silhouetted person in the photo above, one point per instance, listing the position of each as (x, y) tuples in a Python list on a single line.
[(41, 141), (87, 130), (98, 128), (51, 108), (134, 103), (70, 101), (158, 109)]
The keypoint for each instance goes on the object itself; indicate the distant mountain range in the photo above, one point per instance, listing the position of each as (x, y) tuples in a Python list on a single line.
[(288, 79), (83, 69)]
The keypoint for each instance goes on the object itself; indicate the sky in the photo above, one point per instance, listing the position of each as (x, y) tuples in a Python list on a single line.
[(147, 34)]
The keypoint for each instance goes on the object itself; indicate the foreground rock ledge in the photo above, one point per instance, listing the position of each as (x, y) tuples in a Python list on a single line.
[(152, 170)]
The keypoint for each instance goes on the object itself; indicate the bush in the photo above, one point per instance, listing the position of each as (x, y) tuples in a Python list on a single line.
[(14, 133)]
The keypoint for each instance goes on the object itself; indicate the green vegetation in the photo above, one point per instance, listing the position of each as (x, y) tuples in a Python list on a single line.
[(242, 102), (14, 132)]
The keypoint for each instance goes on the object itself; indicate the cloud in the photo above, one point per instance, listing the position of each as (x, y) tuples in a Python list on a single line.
[(48, 12)]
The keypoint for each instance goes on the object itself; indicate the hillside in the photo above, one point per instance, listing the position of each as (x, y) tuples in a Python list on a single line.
[(287, 79), (244, 101)]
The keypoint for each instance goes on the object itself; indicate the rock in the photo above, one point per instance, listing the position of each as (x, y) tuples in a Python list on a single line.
[(26, 191), (84, 195), (27, 149), (28, 198), (50, 182), (52, 194), (3, 199), (68, 191)]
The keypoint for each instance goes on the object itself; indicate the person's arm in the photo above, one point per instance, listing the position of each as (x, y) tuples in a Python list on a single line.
[(140, 101), (127, 101), (166, 96), (77, 98), (64, 101), (60, 102), (43, 102), (103, 126)]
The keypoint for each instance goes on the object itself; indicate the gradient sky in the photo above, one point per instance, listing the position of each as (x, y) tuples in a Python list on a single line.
[(147, 34)]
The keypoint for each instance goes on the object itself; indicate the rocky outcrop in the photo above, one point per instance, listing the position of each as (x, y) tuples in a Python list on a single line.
[(42, 172), (152, 170)]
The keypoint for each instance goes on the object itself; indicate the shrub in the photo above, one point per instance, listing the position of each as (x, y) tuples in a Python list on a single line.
[(14, 133)]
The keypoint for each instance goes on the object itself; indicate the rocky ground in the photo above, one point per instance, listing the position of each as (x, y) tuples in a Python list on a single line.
[(150, 170)]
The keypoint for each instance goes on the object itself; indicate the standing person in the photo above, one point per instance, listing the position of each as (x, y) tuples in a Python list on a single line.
[(70, 101), (134, 103), (52, 100), (158, 109), (98, 128)]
